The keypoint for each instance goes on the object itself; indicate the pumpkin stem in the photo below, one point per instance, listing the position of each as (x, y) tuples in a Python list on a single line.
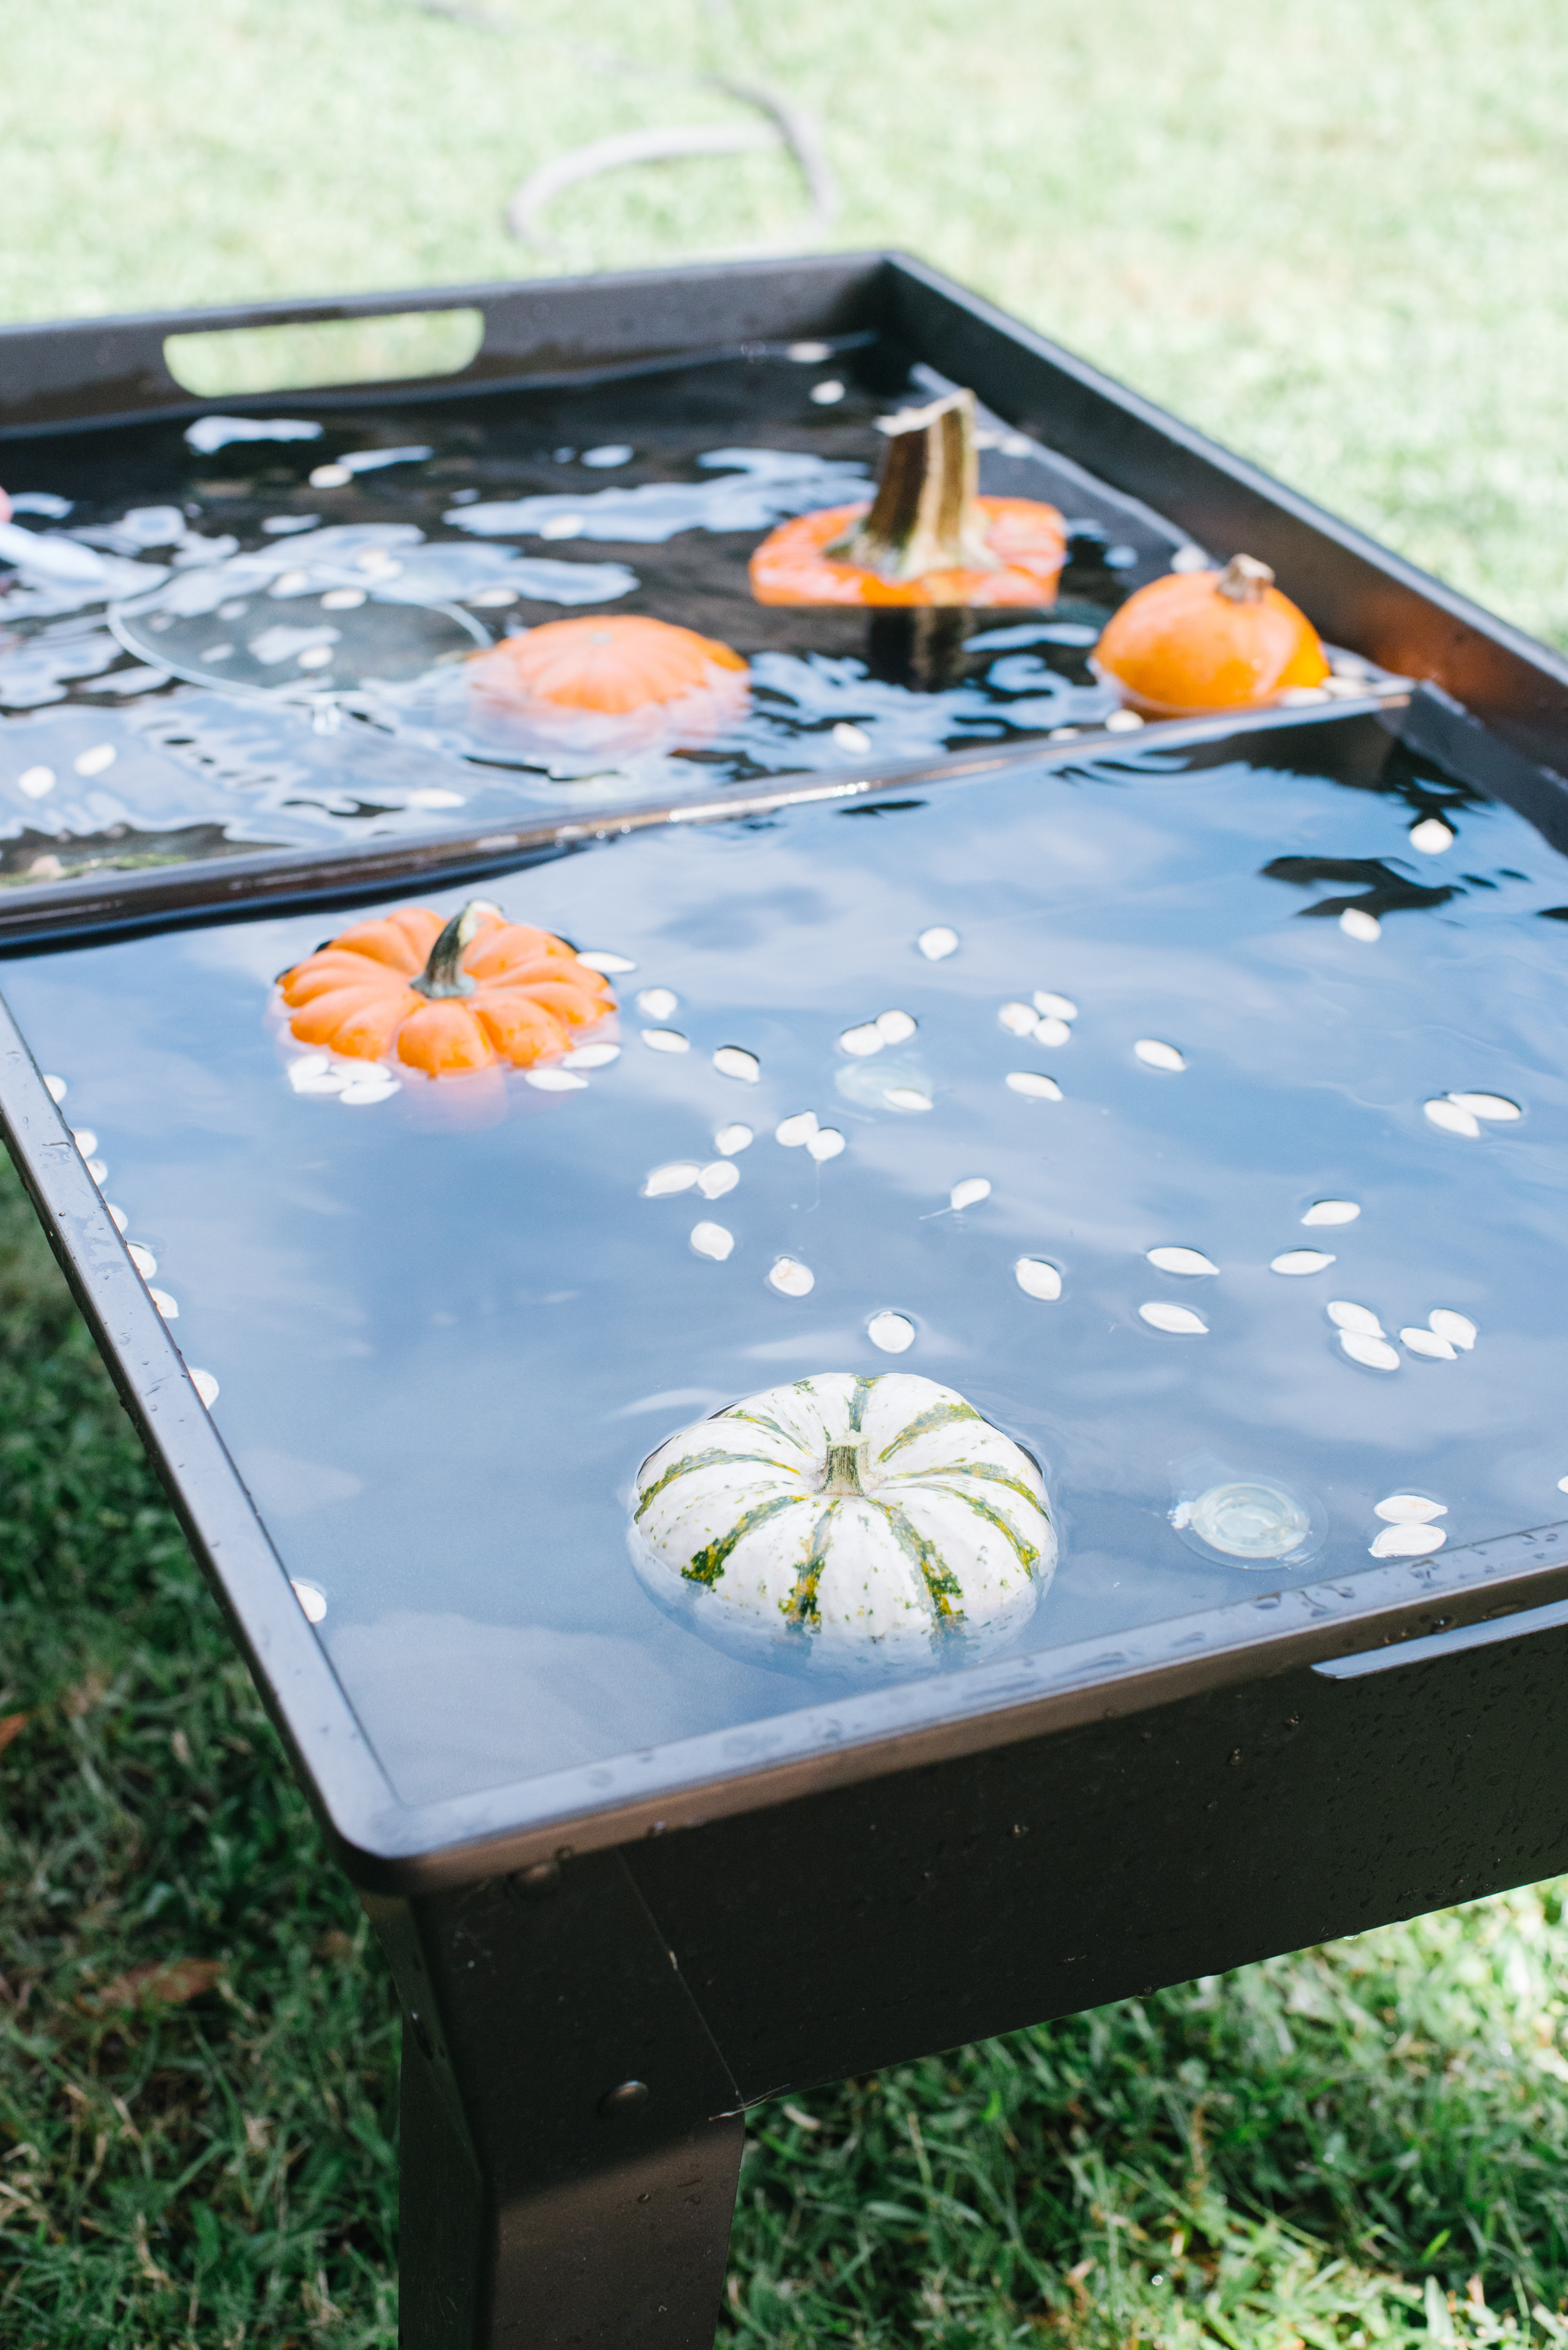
[(843, 1476), (443, 974), (1244, 580), (923, 516)]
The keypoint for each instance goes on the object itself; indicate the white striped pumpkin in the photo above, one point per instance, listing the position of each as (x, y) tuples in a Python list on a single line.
[(841, 1518)]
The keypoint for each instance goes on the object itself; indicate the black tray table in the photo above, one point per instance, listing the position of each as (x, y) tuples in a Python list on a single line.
[(603, 1963)]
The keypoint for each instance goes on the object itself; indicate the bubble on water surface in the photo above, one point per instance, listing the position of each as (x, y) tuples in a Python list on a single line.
[(1457, 1328), (714, 1180), (658, 1002), (1154, 1055), (734, 1061), (667, 1040), (1301, 1261), (1180, 1260), (205, 1385), (1373, 1354), (790, 1277), (1356, 923), (794, 1131), (1346, 1316), (1431, 835), (1407, 1541), (1176, 1321), (678, 1175), (311, 1598), (600, 959), (826, 1143), (893, 1333), (1426, 1343), (1033, 1085), (711, 1241), (731, 1139), (970, 1193), (1409, 1509), (1037, 1277), (1331, 1212), (1251, 1518), (937, 944)]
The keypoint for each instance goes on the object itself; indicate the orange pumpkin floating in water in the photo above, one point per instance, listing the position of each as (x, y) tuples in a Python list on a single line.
[(616, 682), (927, 537), (1209, 640), (450, 997)]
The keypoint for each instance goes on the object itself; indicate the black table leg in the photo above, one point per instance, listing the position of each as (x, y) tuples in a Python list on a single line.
[(570, 2133)]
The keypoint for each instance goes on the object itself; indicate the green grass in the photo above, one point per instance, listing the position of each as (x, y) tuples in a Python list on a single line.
[(1327, 232)]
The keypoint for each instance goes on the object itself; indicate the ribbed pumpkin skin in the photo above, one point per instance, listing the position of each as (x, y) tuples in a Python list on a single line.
[(615, 682), (1179, 645), (951, 1537)]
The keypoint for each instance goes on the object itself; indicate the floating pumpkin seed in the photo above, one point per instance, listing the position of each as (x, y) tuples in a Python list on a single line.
[(1409, 1509), (36, 782), (893, 1333), (57, 1088), (165, 1303), (1018, 1019), (94, 762), (1346, 1316), (711, 1241), (1051, 1032), (896, 1027), (1374, 1354), (144, 1260), (1180, 1260), (1495, 1107), (1033, 1085), (906, 1098), (1176, 1321), (790, 1277), (679, 1175), (1431, 835), (600, 959), (970, 1193), (310, 1595), (1407, 1541), (731, 1139), (666, 1040), (1331, 1212), (794, 1131), (721, 1177), (734, 1061), (363, 1093), (117, 1216), (1154, 1054), (551, 1081), (590, 1057), (86, 1141), (1451, 1118), (658, 1002), (98, 1170), (937, 944), (1457, 1328), (862, 1041), (826, 1143), (1301, 1261), (205, 1385), (852, 739), (1427, 1343), (1357, 924), (1055, 1007), (1037, 1277)]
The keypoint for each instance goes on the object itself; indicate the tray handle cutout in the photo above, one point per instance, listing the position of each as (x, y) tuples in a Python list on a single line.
[(308, 354)]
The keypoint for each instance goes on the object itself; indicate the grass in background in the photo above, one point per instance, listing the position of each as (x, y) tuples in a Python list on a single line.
[(1326, 231)]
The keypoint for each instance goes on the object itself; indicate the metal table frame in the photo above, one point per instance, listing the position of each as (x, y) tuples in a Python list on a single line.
[(600, 1971)]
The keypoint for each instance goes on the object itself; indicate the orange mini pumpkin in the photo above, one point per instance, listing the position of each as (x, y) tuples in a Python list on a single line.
[(614, 680), (1209, 640), (450, 998), (927, 537)]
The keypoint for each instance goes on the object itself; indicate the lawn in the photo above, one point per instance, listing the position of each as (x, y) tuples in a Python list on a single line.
[(1326, 233)]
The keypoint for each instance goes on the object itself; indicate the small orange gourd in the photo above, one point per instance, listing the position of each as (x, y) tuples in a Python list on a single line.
[(927, 537), (616, 676), (1209, 640), (448, 998)]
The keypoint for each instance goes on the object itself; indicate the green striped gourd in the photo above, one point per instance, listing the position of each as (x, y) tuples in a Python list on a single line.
[(841, 1518)]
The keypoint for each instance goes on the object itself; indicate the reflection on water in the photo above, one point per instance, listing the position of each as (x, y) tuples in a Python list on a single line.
[(448, 1326)]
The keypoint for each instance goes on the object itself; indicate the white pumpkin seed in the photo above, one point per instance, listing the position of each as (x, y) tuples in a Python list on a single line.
[(711, 1241), (970, 1193), (1053, 1033), (1055, 1007), (678, 1175), (86, 1142), (893, 1333), (1033, 1085), (362, 1093), (1180, 1260), (896, 1027), (205, 1385), (1301, 1261), (1374, 1354), (1431, 835), (311, 1598), (1347, 1316), (57, 1088), (556, 1081), (1427, 1343), (1407, 1541), (794, 1131), (790, 1277), (862, 1041), (721, 1177), (1037, 1277), (600, 959), (94, 762), (825, 1144), (906, 1098), (852, 739), (1495, 1107), (36, 782), (733, 1061), (1457, 1328), (658, 1002), (666, 1040), (590, 1057), (144, 1260), (1331, 1212), (937, 944), (731, 1139), (98, 1170), (1358, 924), (117, 1216), (1451, 1118), (1176, 1321), (165, 1305), (1409, 1509), (1018, 1019), (1154, 1054)]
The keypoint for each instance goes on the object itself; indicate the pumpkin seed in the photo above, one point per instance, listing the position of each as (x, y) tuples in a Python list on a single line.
[(790, 1277), (1176, 1321), (1301, 1261), (117, 1216), (554, 1081), (678, 1175), (1451, 1118), (600, 959), (144, 1260), (1427, 1343), (667, 1040), (36, 782), (165, 1303), (906, 1098), (1431, 836), (1033, 1085), (1037, 1277), (94, 762), (733, 1061), (57, 1088), (937, 944), (792, 1131), (1408, 1509), (1331, 1212), (1407, 1541), (86, 1142), (310, 1595), (893, 1333), (1054, 1007), (826, 1143), (590, 1057), (711, 1241), (970, 1193), (894, 1027), (658, 1002), (862, 1041), (1018, 1019), (1357, 923), (1345, 1316), (1374, 1354), (1154, 1054), (205, 1385), (721, 1177), (365, 1091), (1457, 1328), (1051, 1032), (731, 1139), (852, 739), (1494, 1106), (98, 1170), (1180, 1260)]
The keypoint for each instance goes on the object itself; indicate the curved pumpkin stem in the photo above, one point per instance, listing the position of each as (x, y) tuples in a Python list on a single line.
[(443, 974), (1244, 580), (923, 516)]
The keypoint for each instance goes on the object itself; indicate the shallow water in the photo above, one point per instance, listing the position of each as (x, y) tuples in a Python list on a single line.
[(270, 657), (448, 1322)]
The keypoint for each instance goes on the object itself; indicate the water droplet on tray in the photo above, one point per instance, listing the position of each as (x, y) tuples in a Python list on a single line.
[(1037, 1277), (1154, 1054), (1409, 1509), (893, 1333), (668, 1040), (658, 1002), (937, 944), (731, 1139), (824, 1144), (794, 1131), (734, 1061), (1331, 1212), (1407, 1542), (970, 1193), (1457, 1328), (1301, 1261), (1176, 1321), (790, 1277), (679, 1175), (1033, 1085), (1180, 1260), (711, 1241)]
